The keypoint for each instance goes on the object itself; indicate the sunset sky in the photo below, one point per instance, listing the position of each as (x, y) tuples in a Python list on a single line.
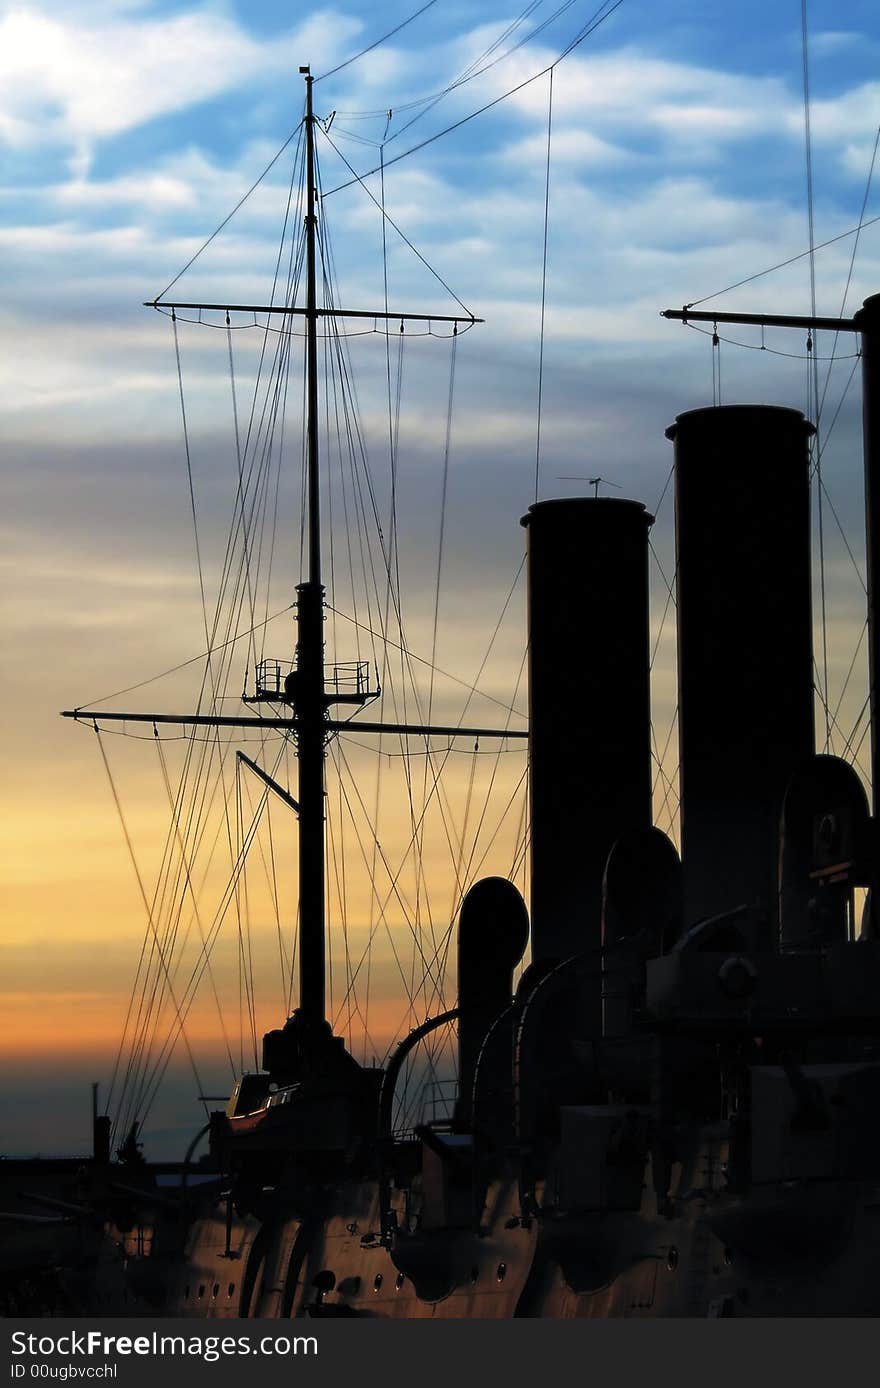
[(129, 131)]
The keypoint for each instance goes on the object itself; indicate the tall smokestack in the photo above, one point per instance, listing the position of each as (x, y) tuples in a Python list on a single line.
[(745, 676), (589, 709)]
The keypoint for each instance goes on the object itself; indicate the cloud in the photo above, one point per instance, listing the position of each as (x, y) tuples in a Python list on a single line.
[(636, 91), (78, 79), (851, 114), (155, 190), (576, 147), (834, 40)]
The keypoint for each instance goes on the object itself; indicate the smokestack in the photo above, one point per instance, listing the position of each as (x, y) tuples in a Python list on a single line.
[(589, 709), (745, 676)]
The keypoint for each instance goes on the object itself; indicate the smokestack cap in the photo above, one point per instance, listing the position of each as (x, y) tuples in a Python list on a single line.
[(585, 510), (867, 318), (745, 418)]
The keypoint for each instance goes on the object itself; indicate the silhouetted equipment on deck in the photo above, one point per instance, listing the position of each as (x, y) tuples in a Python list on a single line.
[(641, 917), (100, 1131), (101, 1139), (589, 710), (493, 931), (826, 849), (744, 644)]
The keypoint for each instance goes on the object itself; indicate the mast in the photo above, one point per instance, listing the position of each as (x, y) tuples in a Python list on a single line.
[(306, 690), (867, 321), (312, 343), (309, 686)]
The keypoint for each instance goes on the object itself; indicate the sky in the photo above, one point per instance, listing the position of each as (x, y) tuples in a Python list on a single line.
[(129, 130)]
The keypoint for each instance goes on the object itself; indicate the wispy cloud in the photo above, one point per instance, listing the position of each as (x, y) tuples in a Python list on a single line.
[(78, 77)]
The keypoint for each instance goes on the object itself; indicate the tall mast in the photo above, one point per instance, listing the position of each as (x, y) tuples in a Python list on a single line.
[(306, 689), (309, 689), (312, 342)]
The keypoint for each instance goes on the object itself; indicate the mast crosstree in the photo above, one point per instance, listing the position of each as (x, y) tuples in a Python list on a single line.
[(305, 689)]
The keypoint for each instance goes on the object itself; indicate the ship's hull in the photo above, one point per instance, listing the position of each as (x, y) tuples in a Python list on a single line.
[(796, 1249)]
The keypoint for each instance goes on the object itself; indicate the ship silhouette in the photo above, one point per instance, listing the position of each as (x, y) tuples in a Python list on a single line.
[(674, 1110)]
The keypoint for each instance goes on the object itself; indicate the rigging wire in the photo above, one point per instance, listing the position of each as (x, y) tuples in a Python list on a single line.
[(668, 782), (195, 815), (240, 481), (359, 178), (188, 997), (241, 570), (189, 478), (139, 1033), (823, 490), (478, 67), (762, 347), (193, 660), (470, 870), (151, 923), (603, 13), (226, 220), (192, 892), (543, 285), (444, 493), (170, 895), (370, 47), (243, 934), (464, 324), (437, 770), (392, 458), (852, 262), (783, 264), (406, 664), (421, 660), (442, 535), (813, 366)]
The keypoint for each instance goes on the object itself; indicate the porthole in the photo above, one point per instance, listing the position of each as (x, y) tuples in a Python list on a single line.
[(230, 1289), (399, 1281), (475, 1272), (672, 1258), (215, 1290), (201, 1290), (501, 1272), (377, 1281)]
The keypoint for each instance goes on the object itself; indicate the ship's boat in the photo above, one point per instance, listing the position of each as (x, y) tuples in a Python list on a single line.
[(673, 1108)]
